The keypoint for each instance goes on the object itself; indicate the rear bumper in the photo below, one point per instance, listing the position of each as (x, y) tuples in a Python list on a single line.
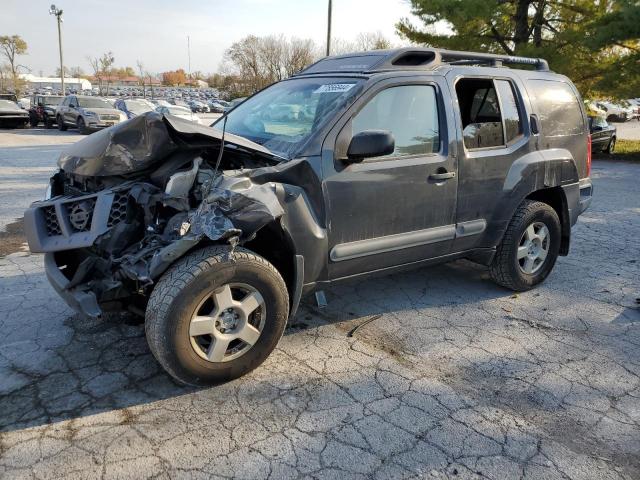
[(84, 302), (586, 195)]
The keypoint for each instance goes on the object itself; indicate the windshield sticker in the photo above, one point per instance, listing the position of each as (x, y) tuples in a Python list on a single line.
[(335, 88)]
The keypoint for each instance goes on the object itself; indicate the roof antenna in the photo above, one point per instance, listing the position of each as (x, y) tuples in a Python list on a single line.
[(224, 129)]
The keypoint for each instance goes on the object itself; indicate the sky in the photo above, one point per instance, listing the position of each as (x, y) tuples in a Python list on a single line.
[(155, 31)]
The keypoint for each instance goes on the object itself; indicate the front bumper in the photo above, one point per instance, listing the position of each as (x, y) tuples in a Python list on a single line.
[(84, 302)]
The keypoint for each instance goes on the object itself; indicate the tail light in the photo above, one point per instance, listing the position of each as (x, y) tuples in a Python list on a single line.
[(589, 155)]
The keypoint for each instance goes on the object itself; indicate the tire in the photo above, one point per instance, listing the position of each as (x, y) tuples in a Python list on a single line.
[(186, 288), (61, 126), (507, 269), (48, 123), (611, 146), (33, 121), (82, 127)]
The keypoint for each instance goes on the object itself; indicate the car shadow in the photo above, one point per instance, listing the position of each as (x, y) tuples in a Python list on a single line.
[(55, 365)]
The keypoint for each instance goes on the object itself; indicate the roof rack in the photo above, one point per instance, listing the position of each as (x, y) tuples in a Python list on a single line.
[(415, 59)]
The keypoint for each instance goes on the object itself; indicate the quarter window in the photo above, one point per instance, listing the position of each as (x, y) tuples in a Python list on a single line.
[(409, 112), (558, 108)]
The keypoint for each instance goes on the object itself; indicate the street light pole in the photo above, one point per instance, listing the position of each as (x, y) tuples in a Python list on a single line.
[(329, 30), (58, 13)]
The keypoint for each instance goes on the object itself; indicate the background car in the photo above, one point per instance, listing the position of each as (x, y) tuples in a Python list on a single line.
[(615, 112), (87, 114), (43, 109), (133, 107), (181, 112), (11, 115), (603, 135)]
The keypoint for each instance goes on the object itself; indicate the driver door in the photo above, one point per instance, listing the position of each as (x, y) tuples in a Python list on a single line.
[(71, 110), (399, 208)]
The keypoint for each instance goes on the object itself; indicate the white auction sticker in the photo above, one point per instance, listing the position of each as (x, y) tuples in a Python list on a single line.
[(334, 88)]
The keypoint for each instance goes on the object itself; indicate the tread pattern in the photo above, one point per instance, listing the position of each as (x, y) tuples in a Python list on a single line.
[(499, 268), (183, 272)]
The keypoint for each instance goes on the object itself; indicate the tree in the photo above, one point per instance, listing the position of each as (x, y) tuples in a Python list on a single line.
[(372, 41), (97, 73), (106, 63), (174, 78), (563, 32), (11, 47), (141, 77)]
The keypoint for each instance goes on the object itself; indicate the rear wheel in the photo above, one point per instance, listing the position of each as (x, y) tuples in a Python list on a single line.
[(529, 248), (61, 126), (216, 315)]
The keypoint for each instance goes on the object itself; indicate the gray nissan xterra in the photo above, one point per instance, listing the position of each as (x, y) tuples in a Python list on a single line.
[(361, 164)]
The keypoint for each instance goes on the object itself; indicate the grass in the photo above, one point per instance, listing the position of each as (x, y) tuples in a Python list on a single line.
[(627, 150)]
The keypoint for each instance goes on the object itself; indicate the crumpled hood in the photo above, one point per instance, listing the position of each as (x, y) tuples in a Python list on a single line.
[(142, 142)]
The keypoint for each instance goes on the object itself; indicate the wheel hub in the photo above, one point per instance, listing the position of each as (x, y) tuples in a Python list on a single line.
[(228, 320)]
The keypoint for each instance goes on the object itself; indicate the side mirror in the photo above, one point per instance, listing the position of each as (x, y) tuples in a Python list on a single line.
[(370, 143)]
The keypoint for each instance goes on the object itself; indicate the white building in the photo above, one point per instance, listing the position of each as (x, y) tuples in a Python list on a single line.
[(34, 82)]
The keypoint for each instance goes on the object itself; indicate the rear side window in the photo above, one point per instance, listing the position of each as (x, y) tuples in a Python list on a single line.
[(558, 108), (490, 113), (409, 112)]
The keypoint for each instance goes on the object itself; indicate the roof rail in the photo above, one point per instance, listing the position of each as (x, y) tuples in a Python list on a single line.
[(413, 58)]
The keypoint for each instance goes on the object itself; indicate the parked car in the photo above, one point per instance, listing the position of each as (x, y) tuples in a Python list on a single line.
[(43, 109), (216, 107), (133, 107), (412, 157), (181, 112), (9, 96), (615, 112), (87, 114), (11, 115), (198, 107), (603, 135)]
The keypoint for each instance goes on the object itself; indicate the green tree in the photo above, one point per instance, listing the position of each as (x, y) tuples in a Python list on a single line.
[(11, 47), (568, 33)]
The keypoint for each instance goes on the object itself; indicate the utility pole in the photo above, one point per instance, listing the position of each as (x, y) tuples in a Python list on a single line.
[(189, 55), (329, 30), (58, 14)]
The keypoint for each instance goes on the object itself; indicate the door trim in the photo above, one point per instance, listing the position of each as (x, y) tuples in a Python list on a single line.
[(390, 243)]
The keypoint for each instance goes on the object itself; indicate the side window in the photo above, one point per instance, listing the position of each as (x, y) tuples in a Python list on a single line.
[(489, 111), (480, 113), (510, 111), (409, 112), (65, 102), (558, 108)]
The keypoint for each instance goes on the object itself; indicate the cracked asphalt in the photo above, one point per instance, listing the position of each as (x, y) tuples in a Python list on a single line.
[(456, 378)]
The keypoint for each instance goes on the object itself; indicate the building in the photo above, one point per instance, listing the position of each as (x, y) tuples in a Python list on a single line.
[(53, 83)]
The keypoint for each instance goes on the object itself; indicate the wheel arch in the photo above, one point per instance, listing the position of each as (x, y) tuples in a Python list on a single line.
[(556, 198)]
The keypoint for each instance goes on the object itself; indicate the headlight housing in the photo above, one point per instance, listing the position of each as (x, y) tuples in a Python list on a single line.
[(89, 113)]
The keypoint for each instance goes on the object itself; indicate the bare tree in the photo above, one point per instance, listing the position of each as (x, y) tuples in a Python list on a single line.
[(106, 65), (141, 77), (97, 73), (372, 41), (11, 47), (300, 53)]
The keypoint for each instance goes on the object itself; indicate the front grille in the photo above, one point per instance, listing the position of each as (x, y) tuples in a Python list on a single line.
[(118, 211), (109, 117), (51, 220)]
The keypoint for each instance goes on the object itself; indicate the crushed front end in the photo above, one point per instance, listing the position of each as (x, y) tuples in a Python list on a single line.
[(131, 200)]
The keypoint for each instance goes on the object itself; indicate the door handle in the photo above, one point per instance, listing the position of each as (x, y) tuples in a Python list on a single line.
[(442, 176)]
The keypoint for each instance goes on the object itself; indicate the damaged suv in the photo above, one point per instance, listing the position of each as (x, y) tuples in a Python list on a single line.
[(362, 164)]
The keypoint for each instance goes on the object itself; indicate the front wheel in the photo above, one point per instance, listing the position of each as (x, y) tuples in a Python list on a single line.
[(61, 126), (529, 248), (216, 315), (82, 127)]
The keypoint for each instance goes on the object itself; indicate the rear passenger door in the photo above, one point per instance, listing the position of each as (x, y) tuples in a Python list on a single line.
[(492, 133)]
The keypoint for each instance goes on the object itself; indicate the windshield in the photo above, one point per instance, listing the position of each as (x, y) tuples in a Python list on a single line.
[(93, 103), (51, 100), (138, 106), (283, 117), (7, 104)]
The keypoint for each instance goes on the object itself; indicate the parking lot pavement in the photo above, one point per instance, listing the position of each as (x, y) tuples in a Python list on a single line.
[(457, 378), (628, 130)]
